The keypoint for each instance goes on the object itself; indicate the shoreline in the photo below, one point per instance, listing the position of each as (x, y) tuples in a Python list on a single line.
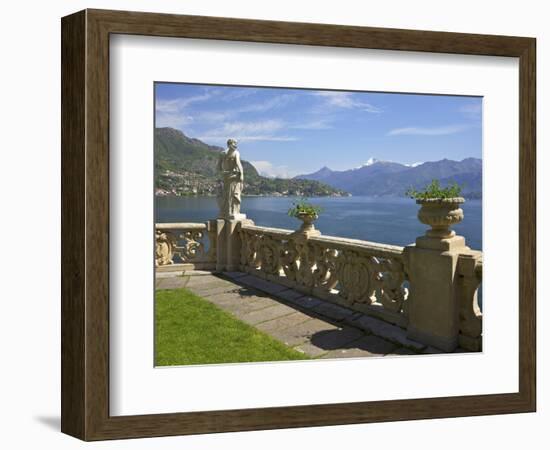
[(300, 196)]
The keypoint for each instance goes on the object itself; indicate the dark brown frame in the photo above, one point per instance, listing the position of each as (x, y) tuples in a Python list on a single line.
[(85, 224)]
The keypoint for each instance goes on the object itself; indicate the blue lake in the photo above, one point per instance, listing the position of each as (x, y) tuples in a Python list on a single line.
[(378, 219)]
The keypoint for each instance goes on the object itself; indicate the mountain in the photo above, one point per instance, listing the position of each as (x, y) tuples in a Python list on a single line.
[(380, 178), (353, 178), (187, 166)]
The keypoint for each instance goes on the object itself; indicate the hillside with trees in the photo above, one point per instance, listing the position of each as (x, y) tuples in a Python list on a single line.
[(187, 166)]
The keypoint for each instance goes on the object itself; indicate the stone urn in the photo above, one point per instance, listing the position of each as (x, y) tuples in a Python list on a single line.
[(307, 227), (440, 214)]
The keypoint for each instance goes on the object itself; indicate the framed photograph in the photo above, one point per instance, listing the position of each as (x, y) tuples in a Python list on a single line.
[(273, 225)]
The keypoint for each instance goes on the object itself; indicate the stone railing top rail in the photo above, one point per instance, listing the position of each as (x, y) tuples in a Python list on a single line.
[(180, 226), (332, 241), (471, 263), (276, 232), (479, 266), (358, 244)]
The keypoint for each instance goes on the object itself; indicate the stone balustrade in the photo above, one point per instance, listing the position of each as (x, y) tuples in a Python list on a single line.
[(428, 288), (185, 246), (360, 275)]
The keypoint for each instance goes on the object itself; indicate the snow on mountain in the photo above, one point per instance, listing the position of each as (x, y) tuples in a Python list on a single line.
[(370, 162)]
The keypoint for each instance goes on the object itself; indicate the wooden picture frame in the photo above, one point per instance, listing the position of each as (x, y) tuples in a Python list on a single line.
[(85, 224)]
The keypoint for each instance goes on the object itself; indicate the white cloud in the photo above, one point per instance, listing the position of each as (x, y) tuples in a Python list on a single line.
[(177, 112), (427, 131), (263, 126), (172, 113), (346, 100), (266, 130), (239, 93), (213, 116), (322, 124), (267, 169), (266, 105), (178, 104), (172, 120), (217, 139), (252, 107)]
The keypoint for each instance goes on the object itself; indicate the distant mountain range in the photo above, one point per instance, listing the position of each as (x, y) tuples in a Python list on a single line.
[(386, 178), (187, 166)]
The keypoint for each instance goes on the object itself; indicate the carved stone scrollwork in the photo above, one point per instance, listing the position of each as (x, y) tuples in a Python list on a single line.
[(164, 248), (245, 244), (325, 273), (269, 249), (354, 277), (288, 257), (330, 268), (185, 243), (192, 246), (389, 281), (250, 255), (306, 262)]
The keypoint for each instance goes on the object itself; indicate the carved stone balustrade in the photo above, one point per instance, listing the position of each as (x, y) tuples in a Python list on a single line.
[(470, 271), (428, 288), (185, 246), (360, 275)]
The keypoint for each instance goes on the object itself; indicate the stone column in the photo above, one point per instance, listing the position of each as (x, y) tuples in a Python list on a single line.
[(228, 243), (433, 299)]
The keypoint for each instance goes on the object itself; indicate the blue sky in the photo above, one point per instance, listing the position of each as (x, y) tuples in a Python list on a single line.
[(285, 132)]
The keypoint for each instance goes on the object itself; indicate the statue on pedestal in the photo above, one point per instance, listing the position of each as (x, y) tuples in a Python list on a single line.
[(231, 171)]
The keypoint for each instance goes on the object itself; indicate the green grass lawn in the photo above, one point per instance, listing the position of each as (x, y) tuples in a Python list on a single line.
[(191, 330)]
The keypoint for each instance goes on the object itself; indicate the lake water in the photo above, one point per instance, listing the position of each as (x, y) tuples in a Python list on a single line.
[(385, 220)]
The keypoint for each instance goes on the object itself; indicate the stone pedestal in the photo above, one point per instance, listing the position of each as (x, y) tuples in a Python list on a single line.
[(305, 234), (307, 229), (228, 243), (433, 297), (236, 217)]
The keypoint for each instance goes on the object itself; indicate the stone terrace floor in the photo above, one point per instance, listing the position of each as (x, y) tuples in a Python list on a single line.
[(315, 327)]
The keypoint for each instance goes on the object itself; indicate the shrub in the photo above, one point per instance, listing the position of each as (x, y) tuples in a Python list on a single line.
[(435, 190), (302, 206)]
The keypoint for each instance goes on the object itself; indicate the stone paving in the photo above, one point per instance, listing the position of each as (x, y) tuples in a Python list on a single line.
[(315, 327)]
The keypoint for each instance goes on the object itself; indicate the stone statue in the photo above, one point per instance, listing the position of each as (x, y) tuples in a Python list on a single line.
[(231, 171)]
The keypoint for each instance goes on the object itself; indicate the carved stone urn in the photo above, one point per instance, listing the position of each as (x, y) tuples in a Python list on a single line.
[(440, 214), (307, 227)]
